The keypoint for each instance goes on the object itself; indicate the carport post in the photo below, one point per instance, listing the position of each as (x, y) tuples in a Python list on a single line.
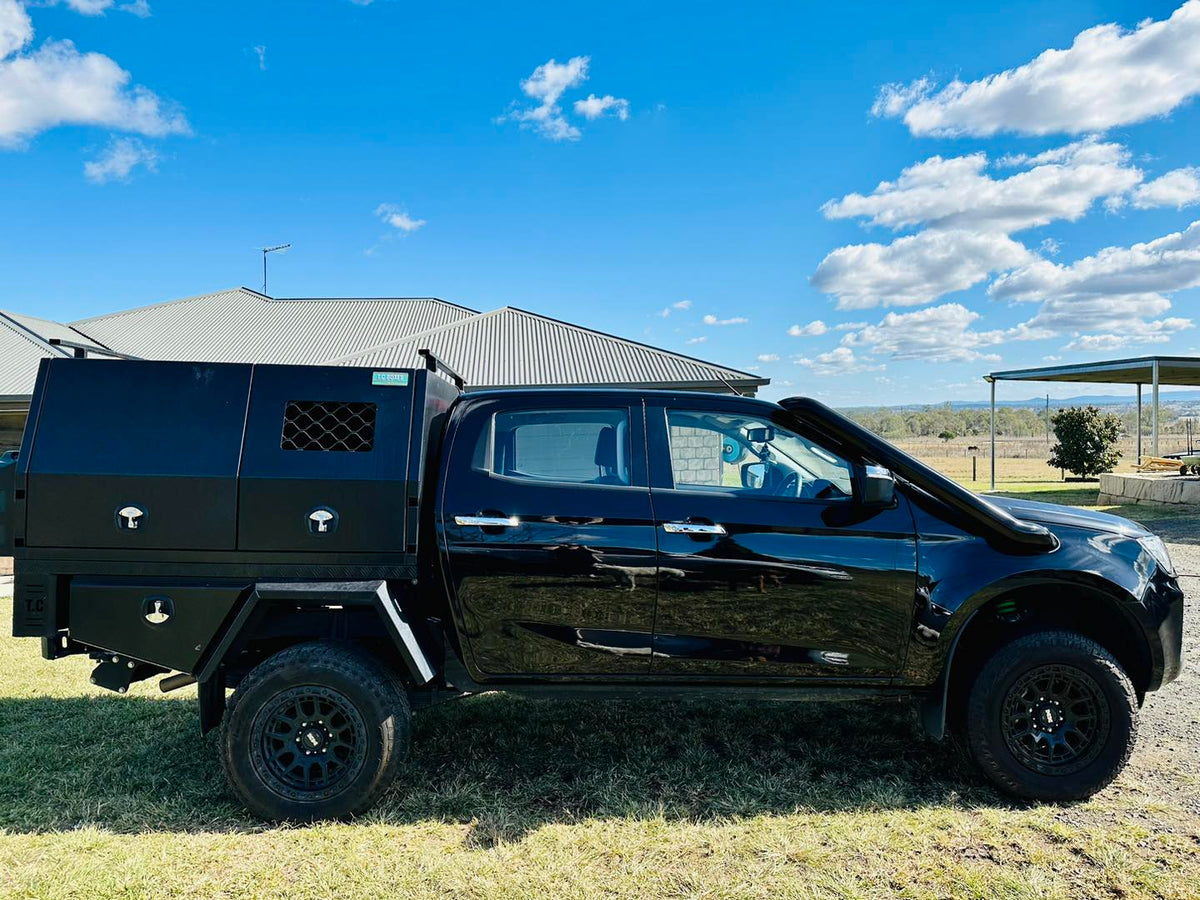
[(1139, 424), (1154, 410), (992, 382)]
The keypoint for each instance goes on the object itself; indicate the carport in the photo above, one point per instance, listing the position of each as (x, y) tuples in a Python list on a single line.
[(1151, 370)]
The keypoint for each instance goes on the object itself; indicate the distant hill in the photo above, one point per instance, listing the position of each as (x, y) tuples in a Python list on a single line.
[(1098, 400)]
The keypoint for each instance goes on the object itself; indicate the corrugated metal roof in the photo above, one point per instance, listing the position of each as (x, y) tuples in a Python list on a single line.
[(48, 329), (510, 347), (241, 325), (20, 353)]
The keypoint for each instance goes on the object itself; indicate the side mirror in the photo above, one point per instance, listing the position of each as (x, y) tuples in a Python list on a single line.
[(878, 487), (754, 475)]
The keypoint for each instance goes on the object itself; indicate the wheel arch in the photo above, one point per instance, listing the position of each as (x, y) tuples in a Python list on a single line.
[(1012, 608), (278, 615)]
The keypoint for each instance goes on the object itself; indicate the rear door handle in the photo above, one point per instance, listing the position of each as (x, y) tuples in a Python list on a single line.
[(692, 528), (488, 521)]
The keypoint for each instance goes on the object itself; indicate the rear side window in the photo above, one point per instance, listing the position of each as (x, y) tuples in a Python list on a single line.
[(577, 446)]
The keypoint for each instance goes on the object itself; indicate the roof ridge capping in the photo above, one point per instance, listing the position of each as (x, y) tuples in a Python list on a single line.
[(181, 300), (32, 337)]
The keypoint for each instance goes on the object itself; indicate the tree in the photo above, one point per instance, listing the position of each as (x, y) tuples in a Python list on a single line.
[(1087, 440), (947, 436)]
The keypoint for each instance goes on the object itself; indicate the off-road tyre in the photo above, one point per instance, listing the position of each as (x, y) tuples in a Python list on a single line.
[(350, 708), (1043, 672)]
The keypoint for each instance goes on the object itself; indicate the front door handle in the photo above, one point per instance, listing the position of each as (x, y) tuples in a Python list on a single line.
[(488, 521), (692, 528)]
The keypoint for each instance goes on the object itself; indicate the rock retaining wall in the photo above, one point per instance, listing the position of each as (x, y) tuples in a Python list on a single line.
[(1116, 489)]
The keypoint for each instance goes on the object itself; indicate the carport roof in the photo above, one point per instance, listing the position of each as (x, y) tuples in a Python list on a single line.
[(1137, 370)]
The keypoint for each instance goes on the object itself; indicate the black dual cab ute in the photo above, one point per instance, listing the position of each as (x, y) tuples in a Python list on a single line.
[(341, 546)]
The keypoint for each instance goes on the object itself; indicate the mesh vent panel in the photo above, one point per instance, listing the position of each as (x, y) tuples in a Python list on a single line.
[(328, 425)]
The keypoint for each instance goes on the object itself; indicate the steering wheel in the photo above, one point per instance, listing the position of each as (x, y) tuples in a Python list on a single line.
[(789, 487)]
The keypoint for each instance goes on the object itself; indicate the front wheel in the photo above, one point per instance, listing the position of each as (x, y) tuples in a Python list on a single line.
[(1052, 716), (316, 731)]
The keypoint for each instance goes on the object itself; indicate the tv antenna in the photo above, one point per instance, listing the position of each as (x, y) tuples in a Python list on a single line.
[(281, 248)]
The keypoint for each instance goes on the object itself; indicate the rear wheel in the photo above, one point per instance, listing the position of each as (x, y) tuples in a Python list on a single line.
[(315, 732), (1051, 716)]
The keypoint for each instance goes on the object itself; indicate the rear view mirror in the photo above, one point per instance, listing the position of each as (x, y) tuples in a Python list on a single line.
[(754, 475), (763, 435), (879, 487)]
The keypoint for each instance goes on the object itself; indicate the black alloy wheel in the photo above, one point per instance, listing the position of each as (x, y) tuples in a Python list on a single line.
[(1055, 719), (1051, 716), (317, 731), (310, 739)]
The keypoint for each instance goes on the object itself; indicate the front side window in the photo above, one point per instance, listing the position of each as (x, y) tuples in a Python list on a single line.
[(734, 452), (583, 446)]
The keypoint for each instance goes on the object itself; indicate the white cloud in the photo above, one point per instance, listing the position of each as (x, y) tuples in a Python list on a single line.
[(734, 320), (1050, 246), (398, 218), (696, 340), (139, 8), (1119, 291), (596, 107), (838, 361), (957, 192), (937, 334), (260, 51), (680, 305), (1166, 264), (814, 328), (768, 357), (895, 99), (118, 161), (1152, 333), (916, 269), (546, 85), (1051, 358), (89, 7), (1179, 188), (57, 85), (1109, 76), (850, 326), (16, 29)]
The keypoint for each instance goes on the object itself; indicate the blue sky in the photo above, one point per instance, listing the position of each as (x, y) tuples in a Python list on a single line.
[(722, 167)]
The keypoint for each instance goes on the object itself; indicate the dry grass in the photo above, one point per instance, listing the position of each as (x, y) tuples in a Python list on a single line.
[(1018, 460)]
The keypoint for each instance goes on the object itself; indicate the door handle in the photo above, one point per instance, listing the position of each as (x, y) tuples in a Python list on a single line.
[(488, 521), (692, 528)]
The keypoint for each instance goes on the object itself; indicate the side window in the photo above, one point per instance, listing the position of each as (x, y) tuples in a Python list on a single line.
[(578, 446), (726, 451)]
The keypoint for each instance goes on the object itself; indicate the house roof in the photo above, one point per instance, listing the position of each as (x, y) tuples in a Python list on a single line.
[(241, 325), (20, 352), (509, 347), (506, 347)]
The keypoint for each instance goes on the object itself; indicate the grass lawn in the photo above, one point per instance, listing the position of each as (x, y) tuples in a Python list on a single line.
[(102, 795)]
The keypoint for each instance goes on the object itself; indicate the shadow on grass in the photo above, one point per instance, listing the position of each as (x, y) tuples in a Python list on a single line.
[(503, 764)]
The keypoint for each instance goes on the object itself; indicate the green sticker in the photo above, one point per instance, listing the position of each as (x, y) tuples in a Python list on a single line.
[(390, 379)]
